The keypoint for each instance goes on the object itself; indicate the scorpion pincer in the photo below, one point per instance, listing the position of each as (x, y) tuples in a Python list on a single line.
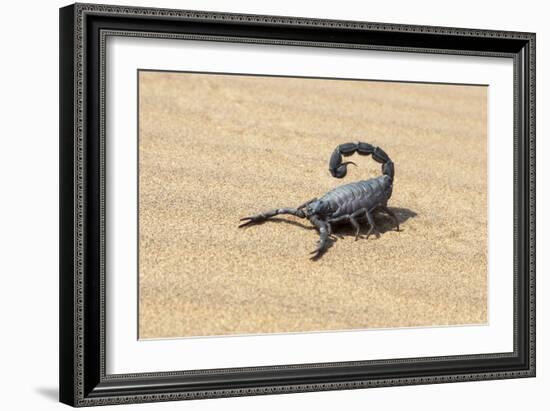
[(346, 203)]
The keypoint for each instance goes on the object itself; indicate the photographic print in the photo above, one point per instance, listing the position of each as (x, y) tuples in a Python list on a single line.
[(260, 204), (290, 204)]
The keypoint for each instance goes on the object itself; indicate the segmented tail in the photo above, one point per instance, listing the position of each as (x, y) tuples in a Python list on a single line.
[(339, 169)]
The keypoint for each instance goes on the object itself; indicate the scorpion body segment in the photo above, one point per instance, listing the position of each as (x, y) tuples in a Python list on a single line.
[(365, 194), (350, 202)]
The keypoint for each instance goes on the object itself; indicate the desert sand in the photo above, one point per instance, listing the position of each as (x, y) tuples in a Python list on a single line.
[(215, 148)]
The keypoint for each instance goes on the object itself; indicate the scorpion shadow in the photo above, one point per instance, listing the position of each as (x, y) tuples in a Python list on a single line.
[(341, 230), (383, 223)]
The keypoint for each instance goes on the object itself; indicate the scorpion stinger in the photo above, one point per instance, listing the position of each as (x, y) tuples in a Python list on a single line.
[(347, 203), (339, 169)]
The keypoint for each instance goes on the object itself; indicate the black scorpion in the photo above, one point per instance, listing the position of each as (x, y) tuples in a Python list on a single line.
[(346, 203)]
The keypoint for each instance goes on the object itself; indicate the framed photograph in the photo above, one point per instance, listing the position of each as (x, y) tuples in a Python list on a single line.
[(261, 204)]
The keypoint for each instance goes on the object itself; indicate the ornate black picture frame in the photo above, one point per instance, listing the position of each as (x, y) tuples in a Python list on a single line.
[(83, 30)]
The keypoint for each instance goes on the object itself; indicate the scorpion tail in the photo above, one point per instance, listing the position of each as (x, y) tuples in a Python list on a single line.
[(339, 169)]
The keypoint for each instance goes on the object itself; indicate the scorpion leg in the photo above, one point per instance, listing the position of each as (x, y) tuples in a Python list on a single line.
[(323, 237), (258, 218), (355, 223), (373, 228), (352, 219), (336, 220), (392, 215)]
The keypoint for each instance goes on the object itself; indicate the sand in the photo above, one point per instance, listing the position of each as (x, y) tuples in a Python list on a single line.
[(216, 148)]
